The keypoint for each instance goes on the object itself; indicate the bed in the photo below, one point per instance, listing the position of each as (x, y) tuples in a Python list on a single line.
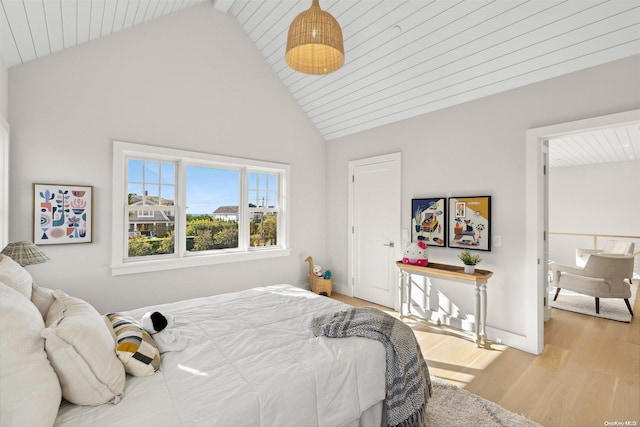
[(250, 359)]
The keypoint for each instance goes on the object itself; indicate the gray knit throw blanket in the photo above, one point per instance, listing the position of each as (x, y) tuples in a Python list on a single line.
[(407, 375)]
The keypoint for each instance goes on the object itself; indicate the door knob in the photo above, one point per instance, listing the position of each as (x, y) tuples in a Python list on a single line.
[(390, 244)]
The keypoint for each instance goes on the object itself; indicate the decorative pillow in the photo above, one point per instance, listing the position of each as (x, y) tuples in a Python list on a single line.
[(16, 276), (29, 388), (136, 349), (82, 352), (42, 298)]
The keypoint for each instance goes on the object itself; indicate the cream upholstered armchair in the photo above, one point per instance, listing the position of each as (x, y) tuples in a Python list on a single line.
[(603, 276), (616, 247)]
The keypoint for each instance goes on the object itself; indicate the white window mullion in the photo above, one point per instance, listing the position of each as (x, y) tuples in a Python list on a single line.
[(124, 254), (285, 200), (282, 213), (243, 211), (181, 211)]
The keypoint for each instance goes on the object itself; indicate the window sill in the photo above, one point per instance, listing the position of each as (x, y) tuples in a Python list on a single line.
[(145, 266)]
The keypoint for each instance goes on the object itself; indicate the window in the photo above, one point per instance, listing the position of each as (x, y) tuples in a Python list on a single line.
[(263, 209), (150, 206), (210, 191), (185, 209)]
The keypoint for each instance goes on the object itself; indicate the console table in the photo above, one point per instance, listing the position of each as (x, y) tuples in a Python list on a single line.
[(452, 272)]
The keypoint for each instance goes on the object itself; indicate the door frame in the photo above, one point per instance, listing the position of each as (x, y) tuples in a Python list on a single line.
[(535, 271), (4, 182), (395, 157)]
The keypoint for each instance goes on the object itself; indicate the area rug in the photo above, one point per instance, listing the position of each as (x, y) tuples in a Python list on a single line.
[(450, 406), (610, 308)]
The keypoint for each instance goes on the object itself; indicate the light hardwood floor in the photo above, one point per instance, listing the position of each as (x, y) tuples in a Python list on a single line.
[(588, 374)]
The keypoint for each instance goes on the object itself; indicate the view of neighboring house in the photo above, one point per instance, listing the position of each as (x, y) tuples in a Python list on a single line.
[(147, 222), (230, 213), (226, 213)]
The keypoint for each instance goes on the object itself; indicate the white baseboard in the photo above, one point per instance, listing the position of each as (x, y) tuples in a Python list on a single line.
[(342, 289)]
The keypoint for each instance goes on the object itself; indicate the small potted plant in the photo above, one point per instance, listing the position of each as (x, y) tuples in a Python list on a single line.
[(469, 260)]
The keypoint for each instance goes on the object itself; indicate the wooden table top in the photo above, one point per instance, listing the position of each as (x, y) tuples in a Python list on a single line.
[(446, 271)]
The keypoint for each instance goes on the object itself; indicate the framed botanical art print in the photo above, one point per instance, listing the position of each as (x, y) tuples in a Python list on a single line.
[(429, 221), (470, 222), (62, 214)]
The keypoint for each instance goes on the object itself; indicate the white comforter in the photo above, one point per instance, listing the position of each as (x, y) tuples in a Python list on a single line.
[(251, 361)]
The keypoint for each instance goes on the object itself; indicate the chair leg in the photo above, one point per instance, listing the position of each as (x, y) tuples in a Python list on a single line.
[(556, 295), (626, 300), (597, 305)]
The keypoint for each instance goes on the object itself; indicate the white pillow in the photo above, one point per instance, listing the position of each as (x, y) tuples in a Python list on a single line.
[(82, 352), (16, 276), (29, 389), (42, 298)]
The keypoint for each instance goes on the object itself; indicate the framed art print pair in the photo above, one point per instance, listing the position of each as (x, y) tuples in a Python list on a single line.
[(456, 222)]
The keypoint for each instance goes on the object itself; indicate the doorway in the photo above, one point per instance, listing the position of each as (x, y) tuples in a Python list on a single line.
[(536, 214), (374, 228)]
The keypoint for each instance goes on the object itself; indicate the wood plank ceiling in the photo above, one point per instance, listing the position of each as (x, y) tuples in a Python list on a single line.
[(31, 29), (403, 58), (602, 146)]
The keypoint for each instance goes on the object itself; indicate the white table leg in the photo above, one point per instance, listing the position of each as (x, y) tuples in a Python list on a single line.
[(409, 282), (401, 279), (483, 309), (477, 314)]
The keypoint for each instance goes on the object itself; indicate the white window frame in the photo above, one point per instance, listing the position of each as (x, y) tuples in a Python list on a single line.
[(122, 264)]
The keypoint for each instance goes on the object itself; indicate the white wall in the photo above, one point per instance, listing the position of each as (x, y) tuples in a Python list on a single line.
[(4, 155), (478, 148), (4, 89), (191, 80), (599, 199)]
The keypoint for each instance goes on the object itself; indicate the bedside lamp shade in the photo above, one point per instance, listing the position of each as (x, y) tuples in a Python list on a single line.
[(25, 253), (314, 43)]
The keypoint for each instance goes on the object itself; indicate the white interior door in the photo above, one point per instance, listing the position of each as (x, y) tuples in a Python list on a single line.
[(375, 228)]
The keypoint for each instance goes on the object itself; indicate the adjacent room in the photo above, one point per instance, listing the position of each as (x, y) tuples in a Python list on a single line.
[(181, 175)]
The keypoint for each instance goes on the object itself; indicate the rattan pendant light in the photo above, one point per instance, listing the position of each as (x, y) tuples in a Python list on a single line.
[(314, 44)]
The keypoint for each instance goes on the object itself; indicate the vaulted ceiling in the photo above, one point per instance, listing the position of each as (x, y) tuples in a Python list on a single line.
[(403, 58)]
